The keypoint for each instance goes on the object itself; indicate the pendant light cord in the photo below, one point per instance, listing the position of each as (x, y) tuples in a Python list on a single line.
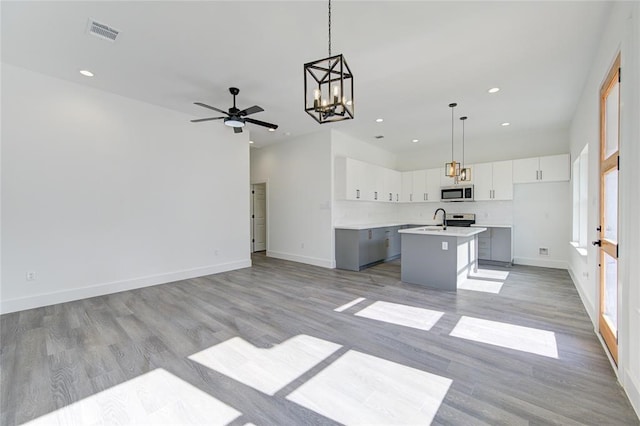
[(329, 27), (452, 108), (463, 120)]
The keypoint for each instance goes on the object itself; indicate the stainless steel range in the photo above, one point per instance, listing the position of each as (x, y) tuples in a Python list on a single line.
[(461, 219)]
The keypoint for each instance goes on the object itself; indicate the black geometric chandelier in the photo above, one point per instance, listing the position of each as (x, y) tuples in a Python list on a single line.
[(328, 87)]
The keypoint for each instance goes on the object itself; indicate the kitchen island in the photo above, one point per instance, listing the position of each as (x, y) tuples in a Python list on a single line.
[(439, 257)]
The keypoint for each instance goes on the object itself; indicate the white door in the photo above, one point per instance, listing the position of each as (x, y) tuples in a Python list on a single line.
[(259, 217)]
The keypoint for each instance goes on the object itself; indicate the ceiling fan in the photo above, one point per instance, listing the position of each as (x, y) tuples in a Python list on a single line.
[(236, 118)]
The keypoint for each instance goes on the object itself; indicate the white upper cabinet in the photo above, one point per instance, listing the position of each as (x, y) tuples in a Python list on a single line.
[(482, 181), (552, 168), (493, 181), (392, 185), (503, 180), (433, 185), (406, 194), (419, 190), (349, 179)]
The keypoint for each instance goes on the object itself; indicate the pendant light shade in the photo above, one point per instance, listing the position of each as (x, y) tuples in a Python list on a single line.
[(452, 169), (465, 172), (328, 87)]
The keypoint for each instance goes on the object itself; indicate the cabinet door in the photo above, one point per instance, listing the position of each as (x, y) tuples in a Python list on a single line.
[(501, 244), (554, 168), (433, 185), (378, 245), (419, 186), (503, 180), (483, 181), (393, 185), (526, 170), (406, 195)]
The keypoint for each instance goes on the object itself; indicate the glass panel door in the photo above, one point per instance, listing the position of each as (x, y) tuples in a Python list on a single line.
[(608, 220)]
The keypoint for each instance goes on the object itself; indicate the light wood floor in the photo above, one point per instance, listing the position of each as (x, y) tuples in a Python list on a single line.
[(54, 356)]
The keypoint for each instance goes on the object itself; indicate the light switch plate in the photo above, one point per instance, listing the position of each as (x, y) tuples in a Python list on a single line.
[(445, 245)]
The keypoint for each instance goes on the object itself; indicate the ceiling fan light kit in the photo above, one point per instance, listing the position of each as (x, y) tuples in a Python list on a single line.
[(452, 169), (328, 87)]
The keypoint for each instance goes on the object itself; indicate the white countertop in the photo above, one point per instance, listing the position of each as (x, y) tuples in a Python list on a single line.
[(359, 227), (492, 225), (451, 231)]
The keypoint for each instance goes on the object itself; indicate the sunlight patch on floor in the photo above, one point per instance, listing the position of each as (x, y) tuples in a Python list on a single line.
[(350, 304), (408, 316), (489, 274), (526, 339), (484, 286), (155, 398), (267, 370), (363, 389)]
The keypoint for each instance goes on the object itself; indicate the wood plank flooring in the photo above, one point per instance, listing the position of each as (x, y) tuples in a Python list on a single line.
[(54, 356)]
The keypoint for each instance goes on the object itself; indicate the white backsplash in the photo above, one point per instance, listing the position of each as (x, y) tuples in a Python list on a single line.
[(487, 212), (363, 212)]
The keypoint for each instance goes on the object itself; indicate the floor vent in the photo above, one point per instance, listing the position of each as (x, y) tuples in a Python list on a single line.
[(101, 30)]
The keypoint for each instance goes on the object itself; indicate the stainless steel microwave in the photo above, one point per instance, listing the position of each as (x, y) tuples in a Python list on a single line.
[(456, 193)]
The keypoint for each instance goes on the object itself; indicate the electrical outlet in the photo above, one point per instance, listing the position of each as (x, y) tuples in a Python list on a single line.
[(302, 245), (445, 245), (543, 251), (216, 252), (31, 276)]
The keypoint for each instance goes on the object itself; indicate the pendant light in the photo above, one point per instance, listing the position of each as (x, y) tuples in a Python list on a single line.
[(465, 172), (328, 87), (452, 169)]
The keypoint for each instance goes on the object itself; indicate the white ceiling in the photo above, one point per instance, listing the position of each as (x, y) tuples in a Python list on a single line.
[(409, 59)]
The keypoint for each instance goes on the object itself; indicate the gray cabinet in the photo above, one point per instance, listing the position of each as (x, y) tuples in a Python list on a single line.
[(494, 245), (357, 249)]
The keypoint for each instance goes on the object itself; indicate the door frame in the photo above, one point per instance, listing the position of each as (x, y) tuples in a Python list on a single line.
[(606, 165)]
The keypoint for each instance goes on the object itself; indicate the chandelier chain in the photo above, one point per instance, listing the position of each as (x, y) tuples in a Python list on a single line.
[(329, 27)]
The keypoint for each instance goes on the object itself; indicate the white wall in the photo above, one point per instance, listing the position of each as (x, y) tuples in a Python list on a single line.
[(102, 193), (351, 212), (503, 145), (299, 181), (622, 33)]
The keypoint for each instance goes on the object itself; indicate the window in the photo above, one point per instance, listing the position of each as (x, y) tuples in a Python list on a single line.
[(580, 181)]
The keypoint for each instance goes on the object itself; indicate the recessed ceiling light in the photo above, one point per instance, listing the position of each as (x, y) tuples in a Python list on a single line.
[(414, 140), (505, 124), (379, 120), (494, 90), (250, 141), (86, 73), (287, 133), (271, 129)]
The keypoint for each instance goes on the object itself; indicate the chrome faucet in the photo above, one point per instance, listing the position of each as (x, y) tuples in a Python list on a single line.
[(444, 218)]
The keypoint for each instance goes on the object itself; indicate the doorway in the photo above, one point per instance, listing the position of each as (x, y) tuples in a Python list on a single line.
[(258, 217), (608, 215)]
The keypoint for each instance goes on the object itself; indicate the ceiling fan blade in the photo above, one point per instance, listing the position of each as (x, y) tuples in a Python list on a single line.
[(210, 107), (250, 110), (237, 130), (206, 119), (261, 123)]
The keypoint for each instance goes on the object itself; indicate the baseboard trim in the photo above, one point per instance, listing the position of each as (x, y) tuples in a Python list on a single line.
[(316, 261), (632, 388), (40, 300), (544, 263), (588, 306)]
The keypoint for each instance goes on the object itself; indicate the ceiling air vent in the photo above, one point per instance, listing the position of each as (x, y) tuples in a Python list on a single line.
[(101, 30), (379, 137)]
